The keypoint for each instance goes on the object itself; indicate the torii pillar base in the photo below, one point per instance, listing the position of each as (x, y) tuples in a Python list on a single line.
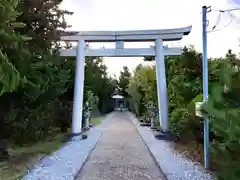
[(166, 136)]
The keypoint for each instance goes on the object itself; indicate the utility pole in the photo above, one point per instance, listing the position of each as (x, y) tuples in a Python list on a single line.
[(205, 85)]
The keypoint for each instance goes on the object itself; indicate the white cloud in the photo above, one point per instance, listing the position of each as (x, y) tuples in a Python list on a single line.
[(155, 14)]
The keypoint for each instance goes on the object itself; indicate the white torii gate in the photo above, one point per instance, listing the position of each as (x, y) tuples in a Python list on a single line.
[(119, 37)]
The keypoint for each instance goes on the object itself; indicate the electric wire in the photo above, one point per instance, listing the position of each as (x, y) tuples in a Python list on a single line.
[(214, 27), (219, 18), (226, 10), (218, 21)]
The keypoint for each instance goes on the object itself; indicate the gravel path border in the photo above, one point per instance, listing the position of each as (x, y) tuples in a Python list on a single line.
[(173, 164), (120, 154), (66, 162)]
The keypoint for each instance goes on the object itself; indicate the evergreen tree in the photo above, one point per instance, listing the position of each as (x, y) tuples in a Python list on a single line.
[(123, 81), (44, 23)]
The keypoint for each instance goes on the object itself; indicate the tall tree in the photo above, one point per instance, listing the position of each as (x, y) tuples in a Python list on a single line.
[(98, 81), (10, 41), (36, 74), (124, 79), (142, 88), (44, 22)]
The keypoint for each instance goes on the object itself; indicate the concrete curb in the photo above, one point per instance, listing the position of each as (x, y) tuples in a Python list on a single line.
[(65, 163), (174, 165)]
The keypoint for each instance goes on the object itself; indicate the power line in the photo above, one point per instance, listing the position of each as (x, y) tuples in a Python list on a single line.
[(226, 24), (218, 20), (214, 27), (219, 17), (226, 10)]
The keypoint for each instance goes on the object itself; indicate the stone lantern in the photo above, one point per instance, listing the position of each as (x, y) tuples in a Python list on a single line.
[(152, 110)]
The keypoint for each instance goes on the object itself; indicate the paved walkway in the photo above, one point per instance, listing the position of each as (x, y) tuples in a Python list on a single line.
[(120, 154)]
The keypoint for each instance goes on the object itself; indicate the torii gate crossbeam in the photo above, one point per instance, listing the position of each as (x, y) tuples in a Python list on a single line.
[(159, 51)]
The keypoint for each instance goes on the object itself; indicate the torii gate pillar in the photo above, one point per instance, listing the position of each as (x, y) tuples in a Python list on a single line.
[(78, 89), (161, 86)]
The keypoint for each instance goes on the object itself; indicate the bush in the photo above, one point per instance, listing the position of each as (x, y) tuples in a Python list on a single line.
[(184, 83)]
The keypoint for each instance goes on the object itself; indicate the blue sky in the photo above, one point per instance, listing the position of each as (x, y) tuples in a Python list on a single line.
[(155, 14)]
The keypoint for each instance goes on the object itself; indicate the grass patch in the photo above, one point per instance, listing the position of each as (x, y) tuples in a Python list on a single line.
[(96, 120), (23, 157)]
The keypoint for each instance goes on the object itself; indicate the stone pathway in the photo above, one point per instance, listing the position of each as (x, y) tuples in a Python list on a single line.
[(120, 154)]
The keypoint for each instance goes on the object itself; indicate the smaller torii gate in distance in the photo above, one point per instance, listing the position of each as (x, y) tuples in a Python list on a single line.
[(119, 37)]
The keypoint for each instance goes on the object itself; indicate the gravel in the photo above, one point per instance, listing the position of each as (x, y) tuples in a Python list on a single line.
[(65, 163), (174, 165), (120, 154)]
